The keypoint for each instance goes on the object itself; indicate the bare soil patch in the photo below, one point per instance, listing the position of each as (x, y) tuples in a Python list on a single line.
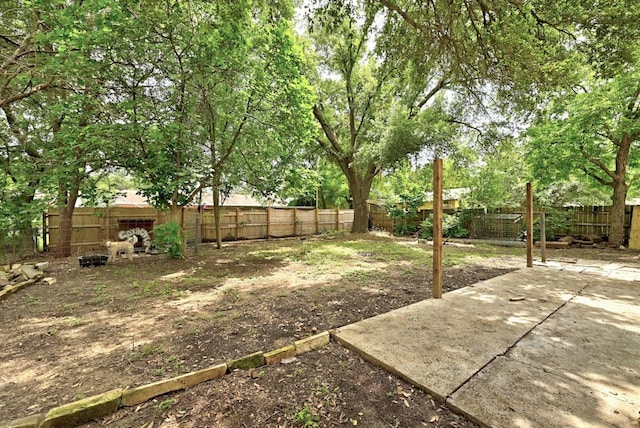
[(136, 322)]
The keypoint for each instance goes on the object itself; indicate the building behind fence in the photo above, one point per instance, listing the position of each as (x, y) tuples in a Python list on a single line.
[(93, 226)]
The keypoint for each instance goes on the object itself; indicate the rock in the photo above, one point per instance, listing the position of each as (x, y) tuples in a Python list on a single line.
[(591, 237), (30, 272), (583, 243), (13, 275), (49, 280), (43, 266)]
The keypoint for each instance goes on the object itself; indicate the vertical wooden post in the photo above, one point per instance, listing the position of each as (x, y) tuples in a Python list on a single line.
[(295, 222), (268, 222), (108, 220), (437, 229), (317, 215), (543, 238), (45, 231), (237, 223), (529, 225), (337, 219), (184, 234), (198, 232)]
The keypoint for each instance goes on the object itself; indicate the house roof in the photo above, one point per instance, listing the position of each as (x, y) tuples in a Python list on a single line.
[(131, 199), (449, 194)]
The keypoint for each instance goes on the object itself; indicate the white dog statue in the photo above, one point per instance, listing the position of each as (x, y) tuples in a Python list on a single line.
[(114, 248)]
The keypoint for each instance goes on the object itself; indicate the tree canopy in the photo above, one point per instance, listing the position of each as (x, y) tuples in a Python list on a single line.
[(183, 95)]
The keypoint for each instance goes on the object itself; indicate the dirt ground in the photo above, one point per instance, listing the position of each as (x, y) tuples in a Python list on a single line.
[(139, 321)]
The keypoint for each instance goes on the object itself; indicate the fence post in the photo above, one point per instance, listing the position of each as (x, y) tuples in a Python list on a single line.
[(529, 225), (317, 216), (268, 222), (237, 223), (337, 219), (295, 222), (543, 238), (45, 232), (184, 232), (108, 220), (198, 232), (437, 229)]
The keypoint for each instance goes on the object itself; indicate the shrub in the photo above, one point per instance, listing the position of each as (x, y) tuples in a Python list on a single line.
[(451, 227), (168, 238), (556, 223), (427, 228)]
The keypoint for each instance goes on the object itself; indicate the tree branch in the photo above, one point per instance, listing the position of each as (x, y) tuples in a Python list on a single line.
[(25, 94), (598, 163), (442, 83), (8, 40), (328, 132), (597, 178), (468, 125), (423, 28)]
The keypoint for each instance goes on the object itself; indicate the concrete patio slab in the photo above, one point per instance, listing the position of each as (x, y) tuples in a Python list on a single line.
[(510, 394), (539, 347), (440, 343), (624, 275)]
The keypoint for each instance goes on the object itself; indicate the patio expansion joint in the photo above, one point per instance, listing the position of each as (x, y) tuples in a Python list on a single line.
[(508, 350)]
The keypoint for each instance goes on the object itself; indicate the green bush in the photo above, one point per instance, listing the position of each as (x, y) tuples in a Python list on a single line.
[(451, 227), (404, 229), (168, 238), (555, 222), (427, 228)]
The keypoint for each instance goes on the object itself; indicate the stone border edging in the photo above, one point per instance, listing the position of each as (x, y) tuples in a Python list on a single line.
[(97, 406), (12, 288)]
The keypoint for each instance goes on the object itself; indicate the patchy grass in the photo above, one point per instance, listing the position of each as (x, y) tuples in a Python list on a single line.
[(133, 321), (155, 288), (101, 294), (146, 351)]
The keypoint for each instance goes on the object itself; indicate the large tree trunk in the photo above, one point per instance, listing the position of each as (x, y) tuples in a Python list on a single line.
[(359, 188), (359, 183), (616, 233), (25, 243), (65, 229), (67, 198), (216, 216), (620, 187)]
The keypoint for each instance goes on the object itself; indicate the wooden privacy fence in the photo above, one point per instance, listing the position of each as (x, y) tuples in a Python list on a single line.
[(93, 226), (379, 218)]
